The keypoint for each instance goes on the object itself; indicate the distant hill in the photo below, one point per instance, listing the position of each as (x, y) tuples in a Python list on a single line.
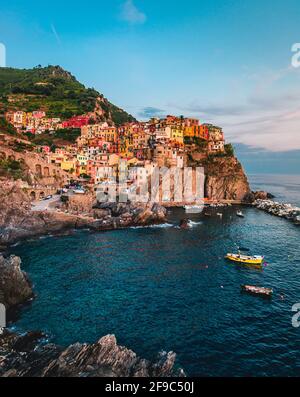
[(55, 91)]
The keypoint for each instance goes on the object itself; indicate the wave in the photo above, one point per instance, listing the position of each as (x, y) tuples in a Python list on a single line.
[(193, 223), (161, 226)]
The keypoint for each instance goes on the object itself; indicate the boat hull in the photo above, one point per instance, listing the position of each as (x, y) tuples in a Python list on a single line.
[(193, 209), (245, 259), (260, 291)]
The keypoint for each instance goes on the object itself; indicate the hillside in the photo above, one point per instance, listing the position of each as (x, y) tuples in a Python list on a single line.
[(55, 91)]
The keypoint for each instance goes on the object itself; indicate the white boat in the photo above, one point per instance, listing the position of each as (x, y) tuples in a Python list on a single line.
[(193, 209), (240, 214)]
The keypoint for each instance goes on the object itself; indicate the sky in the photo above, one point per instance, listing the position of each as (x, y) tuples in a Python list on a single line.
[(228, 62)]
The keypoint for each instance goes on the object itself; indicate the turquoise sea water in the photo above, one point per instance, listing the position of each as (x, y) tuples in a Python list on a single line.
[(162, 288)]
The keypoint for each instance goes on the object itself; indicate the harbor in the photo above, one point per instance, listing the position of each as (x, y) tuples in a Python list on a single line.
[(190, 291)]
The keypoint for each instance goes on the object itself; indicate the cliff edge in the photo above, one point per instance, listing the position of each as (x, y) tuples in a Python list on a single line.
[(225, 179)]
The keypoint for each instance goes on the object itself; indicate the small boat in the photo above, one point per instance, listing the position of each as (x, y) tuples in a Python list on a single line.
[(246, 259), (251, 289), (220, 214), (193, 209), (240, 214)]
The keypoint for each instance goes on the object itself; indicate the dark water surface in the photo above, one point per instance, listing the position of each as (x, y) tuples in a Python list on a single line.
[(162, 288)]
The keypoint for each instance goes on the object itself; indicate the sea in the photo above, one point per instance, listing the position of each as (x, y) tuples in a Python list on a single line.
[(162, 288)]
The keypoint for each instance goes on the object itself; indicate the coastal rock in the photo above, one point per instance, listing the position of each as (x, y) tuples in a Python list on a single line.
[(14, 285), (262, 195), (134, 214), (281, 210), (17, 221), (184, 224), (225, 179), (26, 356)]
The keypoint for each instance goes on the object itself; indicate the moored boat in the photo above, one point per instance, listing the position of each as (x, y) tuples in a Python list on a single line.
[(251, 289), (240, 214), (193, 209), (245, 259)]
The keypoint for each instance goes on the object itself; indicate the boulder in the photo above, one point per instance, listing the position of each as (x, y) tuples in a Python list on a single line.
[(15, 287)]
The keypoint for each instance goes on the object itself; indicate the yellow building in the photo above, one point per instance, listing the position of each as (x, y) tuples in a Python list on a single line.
[(68, 165), (108, 134), (81, 164), (177, 134)]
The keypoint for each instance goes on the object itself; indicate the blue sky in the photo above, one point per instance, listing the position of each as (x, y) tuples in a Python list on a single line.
[(224, 61)]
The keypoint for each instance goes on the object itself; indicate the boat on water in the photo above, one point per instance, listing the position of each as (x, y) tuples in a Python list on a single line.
[(251, 289), (246, 259), (240, 214), (193, 209), (243, 256)]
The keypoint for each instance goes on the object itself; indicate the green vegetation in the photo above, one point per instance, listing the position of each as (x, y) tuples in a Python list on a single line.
[(85, 176), (55, 91), (12, 169), (229, 150), (201, 143), (22, 147), (6, 128), (59, 137)]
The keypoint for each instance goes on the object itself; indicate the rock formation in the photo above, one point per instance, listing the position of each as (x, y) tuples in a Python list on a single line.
[(15, 287), (184, 224), (17, 221), (225, 179), (282, 210), (24, 356)]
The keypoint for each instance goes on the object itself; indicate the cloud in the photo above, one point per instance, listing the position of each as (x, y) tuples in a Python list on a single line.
[(268, 118), (56, 35), (131, 14), (149, 112)]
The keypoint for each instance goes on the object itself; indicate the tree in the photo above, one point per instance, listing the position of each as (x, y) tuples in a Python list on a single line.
[(229, 150)]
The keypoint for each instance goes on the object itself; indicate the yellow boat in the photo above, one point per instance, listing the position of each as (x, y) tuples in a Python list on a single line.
[(247, 259)]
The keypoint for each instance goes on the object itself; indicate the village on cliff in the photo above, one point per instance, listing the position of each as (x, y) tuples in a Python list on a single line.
[(95, 156)]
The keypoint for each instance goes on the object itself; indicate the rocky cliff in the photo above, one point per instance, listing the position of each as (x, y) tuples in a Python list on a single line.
[(225, 179), (15, 287), (25, 356)]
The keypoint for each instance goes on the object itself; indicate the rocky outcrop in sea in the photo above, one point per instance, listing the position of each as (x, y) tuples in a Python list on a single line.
[(30, 355), (287, 211)]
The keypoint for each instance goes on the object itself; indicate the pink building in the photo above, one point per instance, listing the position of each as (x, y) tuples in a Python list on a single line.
[(76, 122)]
